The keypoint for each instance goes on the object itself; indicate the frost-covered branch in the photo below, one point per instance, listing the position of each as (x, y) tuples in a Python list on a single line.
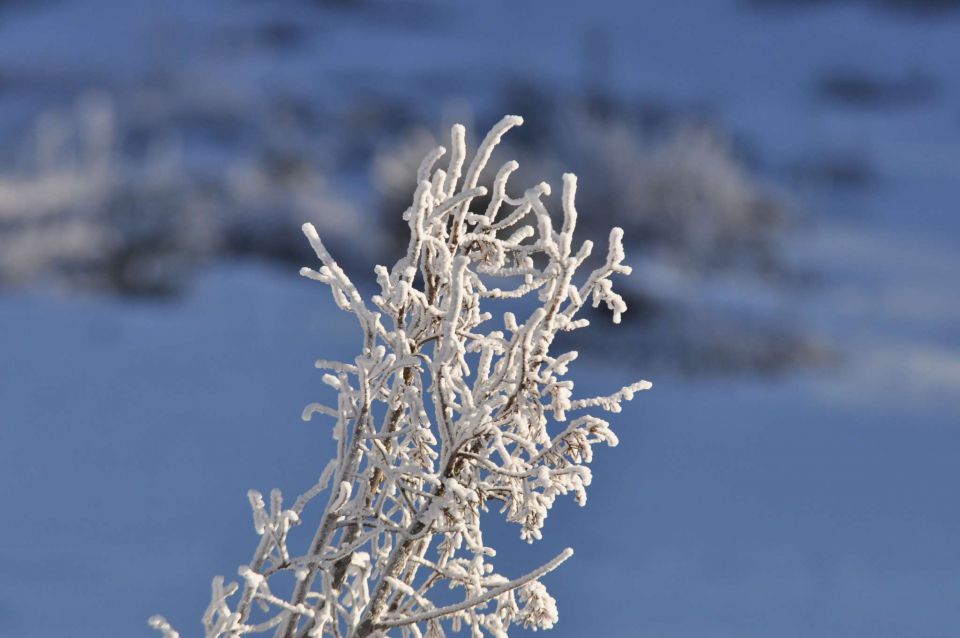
[(477, 600), (446, 409)]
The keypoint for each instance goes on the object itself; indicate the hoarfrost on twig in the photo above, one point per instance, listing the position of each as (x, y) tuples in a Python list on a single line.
[(445, 410)]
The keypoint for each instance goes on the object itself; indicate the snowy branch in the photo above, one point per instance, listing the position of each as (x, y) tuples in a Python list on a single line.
[(445, 410)]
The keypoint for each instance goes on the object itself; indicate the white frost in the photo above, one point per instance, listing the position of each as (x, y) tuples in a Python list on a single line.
[(444, 412)]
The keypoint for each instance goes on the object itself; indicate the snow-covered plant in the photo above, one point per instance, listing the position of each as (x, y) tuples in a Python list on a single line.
[(445, 412), (680, 190)]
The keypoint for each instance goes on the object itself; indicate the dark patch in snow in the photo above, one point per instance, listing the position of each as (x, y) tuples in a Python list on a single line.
[(863, 89)]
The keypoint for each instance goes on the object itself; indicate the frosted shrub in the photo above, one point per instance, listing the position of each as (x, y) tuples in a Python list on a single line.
[(84, 214), (679, 190), (72, 169), (445, 412), (688, 194), (94, 206)]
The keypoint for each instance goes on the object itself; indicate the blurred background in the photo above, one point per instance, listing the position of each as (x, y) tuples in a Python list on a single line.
[(787, 173)]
